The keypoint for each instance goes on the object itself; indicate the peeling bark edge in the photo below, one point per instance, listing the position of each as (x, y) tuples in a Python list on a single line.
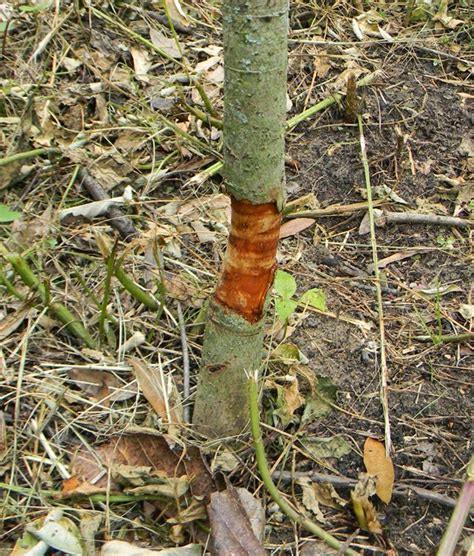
[(249, 263)]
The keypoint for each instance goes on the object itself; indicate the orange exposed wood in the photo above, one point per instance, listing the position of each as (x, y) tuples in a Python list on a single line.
[(250, 258)]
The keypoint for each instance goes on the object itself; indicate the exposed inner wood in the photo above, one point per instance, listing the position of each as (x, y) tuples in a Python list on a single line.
[(250, 258)]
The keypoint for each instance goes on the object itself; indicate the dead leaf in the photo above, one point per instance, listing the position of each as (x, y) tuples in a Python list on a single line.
[(122, 548), (466, 311), (176, 12), (378, 464), (102, 385), (165, 43), (332, 447), (141, 63), (289, 400), (295, 226), (53, 531), (97, 208), (230, 515), (310, 502), (92, 468), (363, 507), (160, 391), (321, 64), (326, 495), (12, 321), (400, 256)]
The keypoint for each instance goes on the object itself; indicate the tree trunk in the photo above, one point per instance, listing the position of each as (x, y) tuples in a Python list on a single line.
[(255, 60)]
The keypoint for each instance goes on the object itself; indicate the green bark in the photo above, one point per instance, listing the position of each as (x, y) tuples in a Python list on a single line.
[(255, 61), (231, 347)]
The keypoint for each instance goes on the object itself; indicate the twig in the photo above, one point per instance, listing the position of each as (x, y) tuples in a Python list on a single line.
[(117, 220), (333, 210), (267, 478), (383, 217), (345, 482), (383, 358), (47, 38), (27, 154), (48, 449), (186, 375), (447, 338)]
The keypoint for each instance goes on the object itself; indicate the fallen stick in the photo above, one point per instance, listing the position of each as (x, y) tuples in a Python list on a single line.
[(333, 210), (383, 217), (121, 223)]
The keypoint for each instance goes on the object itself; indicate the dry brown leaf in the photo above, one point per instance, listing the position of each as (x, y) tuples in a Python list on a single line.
[(309, 499), (378, 464), (165, 43), (363, 507), (295, 226), (176, 12), (92, 469), (101, 384), (159, 390), (12, 321), (322, 64), (232, 533)]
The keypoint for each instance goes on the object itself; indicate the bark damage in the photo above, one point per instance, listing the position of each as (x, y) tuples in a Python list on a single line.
[(250, 259)]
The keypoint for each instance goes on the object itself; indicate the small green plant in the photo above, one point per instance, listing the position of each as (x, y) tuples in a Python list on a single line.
[(445, 242), (285, 303), (8, 215)]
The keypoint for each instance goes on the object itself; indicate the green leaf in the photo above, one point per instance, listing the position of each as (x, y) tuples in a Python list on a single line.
[(285, 308), (35, 9), (316, 298), (289, 354), (7, 215), (285, 284)]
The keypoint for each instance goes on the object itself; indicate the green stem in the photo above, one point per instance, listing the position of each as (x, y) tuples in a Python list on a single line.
[(135, 290), (207, 103), (270, 485), (292, 122), (206, 118), (447, 338), (27, 154), (4, 281), (107, 289), (58, 310)]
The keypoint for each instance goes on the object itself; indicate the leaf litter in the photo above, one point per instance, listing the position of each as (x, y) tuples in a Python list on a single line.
[(117, 105)]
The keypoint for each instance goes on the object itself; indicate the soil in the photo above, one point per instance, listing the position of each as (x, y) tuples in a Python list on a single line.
[(429, 403)]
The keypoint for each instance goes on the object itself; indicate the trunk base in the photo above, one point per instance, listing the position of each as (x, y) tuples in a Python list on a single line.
[(232, 348)]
